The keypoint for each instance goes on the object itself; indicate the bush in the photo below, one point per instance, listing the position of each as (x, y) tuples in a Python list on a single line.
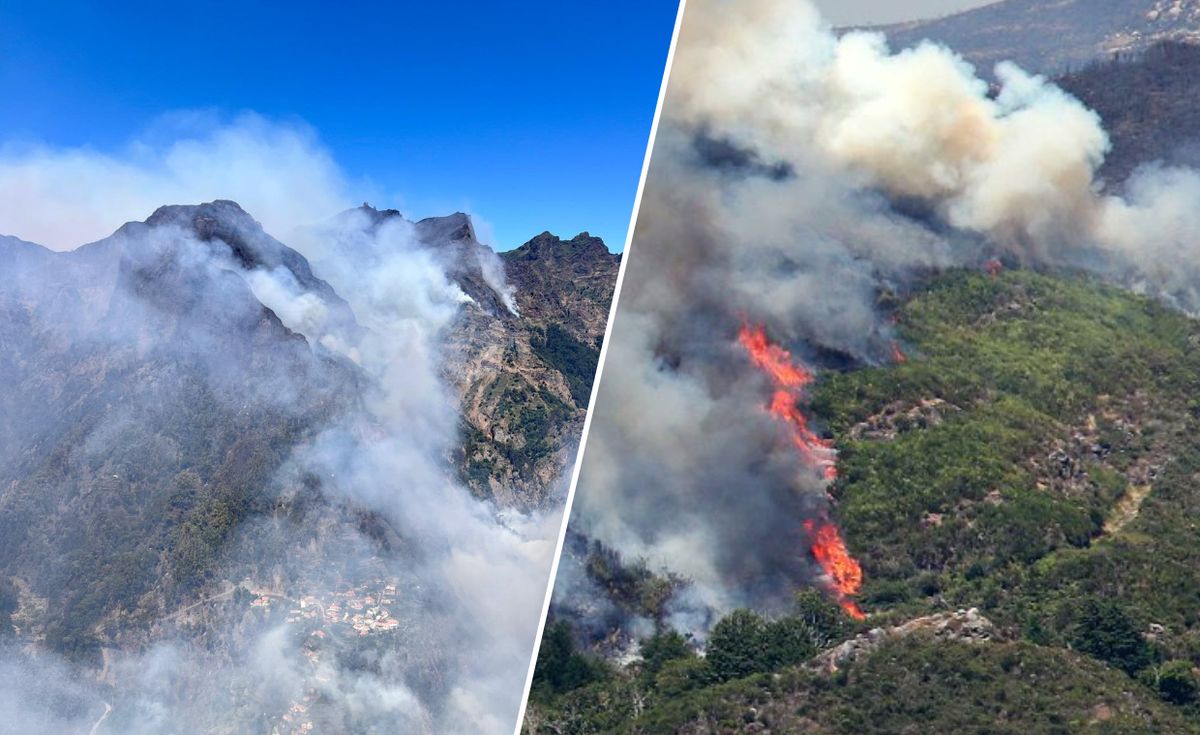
[(682, 675), (661, 648), (744, 643), (1177, 682)]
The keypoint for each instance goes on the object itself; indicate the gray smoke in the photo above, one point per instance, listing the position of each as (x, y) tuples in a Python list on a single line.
[(796, 176), (370, 503)]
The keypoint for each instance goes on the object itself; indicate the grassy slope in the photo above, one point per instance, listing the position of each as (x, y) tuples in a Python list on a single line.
[(1061, 396)]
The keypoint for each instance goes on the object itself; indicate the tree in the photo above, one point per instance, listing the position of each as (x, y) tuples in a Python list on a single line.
[(824, 619), (789, 641), (1102, 629), (560, 667), (662, 647), (738, 645), (9, 600)]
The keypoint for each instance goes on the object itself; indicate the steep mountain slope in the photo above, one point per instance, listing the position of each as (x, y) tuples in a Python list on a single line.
[(186, 476), (525, 382), (523, 354), (1148, 105), (1018, 480), (1034, 458), (130, 366), (1050, 37)]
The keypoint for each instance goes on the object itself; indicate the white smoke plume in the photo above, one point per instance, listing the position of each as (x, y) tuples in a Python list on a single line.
[(796, 176), (471, 577), (61, 197), (494, 568)]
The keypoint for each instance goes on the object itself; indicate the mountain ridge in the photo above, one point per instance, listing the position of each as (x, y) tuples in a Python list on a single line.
[(1052, 37), (152, 291)]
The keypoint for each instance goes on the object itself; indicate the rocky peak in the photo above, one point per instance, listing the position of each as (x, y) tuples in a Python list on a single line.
[(377, 216), (550, 247), (456, 227), (432, 231), (225, 221)]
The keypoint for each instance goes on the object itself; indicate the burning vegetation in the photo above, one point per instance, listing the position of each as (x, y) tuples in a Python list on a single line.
[(899, 174), (789, 378)]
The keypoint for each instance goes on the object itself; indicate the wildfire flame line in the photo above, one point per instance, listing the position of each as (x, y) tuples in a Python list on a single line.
[(790, 377)]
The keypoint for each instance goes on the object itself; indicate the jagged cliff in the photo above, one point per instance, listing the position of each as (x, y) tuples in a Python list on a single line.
[(525, 381)]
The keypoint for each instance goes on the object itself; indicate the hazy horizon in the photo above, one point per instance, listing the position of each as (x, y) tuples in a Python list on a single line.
[(871, 12)]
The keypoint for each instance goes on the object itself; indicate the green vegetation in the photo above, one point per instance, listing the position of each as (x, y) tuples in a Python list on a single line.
[(8, 605), (744, 643), (1060, 396), (152, 502), (532, 414), (575, 360), (527, 425), (561, 667), (1037, 458), (631, 585)]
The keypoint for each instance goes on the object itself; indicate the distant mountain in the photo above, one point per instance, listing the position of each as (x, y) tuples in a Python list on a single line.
[(1135, 62), (1053, 36), (1148, 104)]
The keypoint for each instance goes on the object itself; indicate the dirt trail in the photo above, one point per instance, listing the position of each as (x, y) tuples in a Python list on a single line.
[(205, 601), (1126, 509)]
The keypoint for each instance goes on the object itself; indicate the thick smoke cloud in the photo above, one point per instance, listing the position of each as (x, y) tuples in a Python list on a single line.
[(470, 576), (796, 177), (490, 569)]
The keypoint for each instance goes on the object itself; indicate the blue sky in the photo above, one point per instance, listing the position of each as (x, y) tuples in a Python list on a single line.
[(533, 115)]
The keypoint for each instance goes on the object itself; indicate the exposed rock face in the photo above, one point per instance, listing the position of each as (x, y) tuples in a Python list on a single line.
[(963, 625), (1048, 37), (898, 417), (566, 281), (524, 380)]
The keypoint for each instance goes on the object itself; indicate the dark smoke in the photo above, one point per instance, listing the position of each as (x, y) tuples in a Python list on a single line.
[(797, 180)]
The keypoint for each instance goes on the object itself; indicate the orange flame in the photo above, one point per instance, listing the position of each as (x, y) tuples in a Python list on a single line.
[(773, 359), (898, 355), (817, 452), (790, 378), (845, 574), (993, 267)]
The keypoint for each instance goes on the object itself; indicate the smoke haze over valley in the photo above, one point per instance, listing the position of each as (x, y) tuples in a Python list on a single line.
[(251, 487)]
